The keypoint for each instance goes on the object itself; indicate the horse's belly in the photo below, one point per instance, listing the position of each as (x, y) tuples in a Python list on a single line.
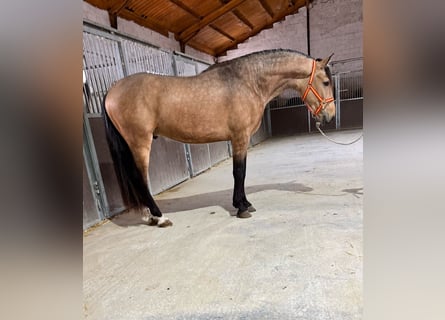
[(193, 131)]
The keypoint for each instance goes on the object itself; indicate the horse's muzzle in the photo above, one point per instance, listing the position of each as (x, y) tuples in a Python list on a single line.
[(324, 119), (327, 118)]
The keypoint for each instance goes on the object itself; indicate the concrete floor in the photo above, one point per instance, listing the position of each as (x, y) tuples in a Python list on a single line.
[(298, 257)]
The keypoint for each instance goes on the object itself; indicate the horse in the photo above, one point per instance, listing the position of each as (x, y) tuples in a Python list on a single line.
[(226, 102)]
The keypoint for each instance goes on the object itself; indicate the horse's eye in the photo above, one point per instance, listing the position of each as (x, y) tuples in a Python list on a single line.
[(326, 83)]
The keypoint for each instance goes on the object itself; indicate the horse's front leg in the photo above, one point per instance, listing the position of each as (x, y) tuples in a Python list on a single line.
[(240, 201)]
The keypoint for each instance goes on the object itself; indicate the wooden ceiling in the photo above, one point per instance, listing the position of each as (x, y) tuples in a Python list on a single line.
[(210, 26)]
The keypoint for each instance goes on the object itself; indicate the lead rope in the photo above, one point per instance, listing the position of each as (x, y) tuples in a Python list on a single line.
[(317, 125)]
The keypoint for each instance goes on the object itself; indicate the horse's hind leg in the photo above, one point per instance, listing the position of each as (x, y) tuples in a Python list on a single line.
[(151, 214), (240, 201)]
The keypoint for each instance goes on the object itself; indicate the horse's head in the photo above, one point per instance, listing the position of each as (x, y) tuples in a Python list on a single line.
[(319, 93)]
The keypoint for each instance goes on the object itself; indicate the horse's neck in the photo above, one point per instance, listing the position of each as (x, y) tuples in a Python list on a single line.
[(277, 75)]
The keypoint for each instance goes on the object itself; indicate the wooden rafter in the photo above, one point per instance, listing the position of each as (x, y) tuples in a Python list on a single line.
[(205, 49), (225, 34), (113, 11), (188, 33), (117, 6), (196, 15), (266, 7), (184, 7), (146, 22), (243, 19), (290, 10)]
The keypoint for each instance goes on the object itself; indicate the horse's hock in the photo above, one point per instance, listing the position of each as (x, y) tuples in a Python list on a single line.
[(300, 255)]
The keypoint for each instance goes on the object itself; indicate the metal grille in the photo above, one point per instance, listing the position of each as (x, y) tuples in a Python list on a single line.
[(185, 68), (200, 67), (143, 58), (351, 85), (102, 65), (290, 98)]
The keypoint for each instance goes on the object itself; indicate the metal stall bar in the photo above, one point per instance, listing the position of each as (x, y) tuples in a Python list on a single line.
[(288, 114), (350, 99), (95, 179), (102, 66), (351, 84), (336, 79)]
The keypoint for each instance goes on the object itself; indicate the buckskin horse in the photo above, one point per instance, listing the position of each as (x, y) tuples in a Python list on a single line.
[(225, 102)]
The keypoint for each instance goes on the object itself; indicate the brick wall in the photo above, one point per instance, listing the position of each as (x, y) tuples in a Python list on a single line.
[(335, 26), (287, 34), (94, 14)]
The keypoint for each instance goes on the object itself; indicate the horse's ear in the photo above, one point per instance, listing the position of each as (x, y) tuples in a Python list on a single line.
[(325, 61)]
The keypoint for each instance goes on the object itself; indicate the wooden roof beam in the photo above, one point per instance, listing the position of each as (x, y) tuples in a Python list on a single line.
[(290, 10), (225, 34), (188, 33), (266, 7), (113, 11), (144, 21), (243, 19), (202, 48), (184, 7), (117, 5)]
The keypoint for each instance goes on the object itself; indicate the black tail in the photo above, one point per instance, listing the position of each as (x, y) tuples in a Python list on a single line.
[(134, 189)]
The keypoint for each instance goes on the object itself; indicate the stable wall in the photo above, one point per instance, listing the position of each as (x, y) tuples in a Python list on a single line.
[(335, 27), (99, 16)]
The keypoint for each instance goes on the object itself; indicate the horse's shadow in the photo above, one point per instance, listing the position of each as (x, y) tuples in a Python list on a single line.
[(356, 192), (221, 198)]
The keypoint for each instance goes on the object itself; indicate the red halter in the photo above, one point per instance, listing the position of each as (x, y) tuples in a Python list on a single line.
[(323, 102)]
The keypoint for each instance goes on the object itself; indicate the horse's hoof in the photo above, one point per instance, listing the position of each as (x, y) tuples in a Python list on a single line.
[(164, 222), (251, 209), (244, 214), (152, 222)]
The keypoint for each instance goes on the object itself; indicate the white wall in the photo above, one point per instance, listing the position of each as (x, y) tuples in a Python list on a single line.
[(288, 34), (335, 27)]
